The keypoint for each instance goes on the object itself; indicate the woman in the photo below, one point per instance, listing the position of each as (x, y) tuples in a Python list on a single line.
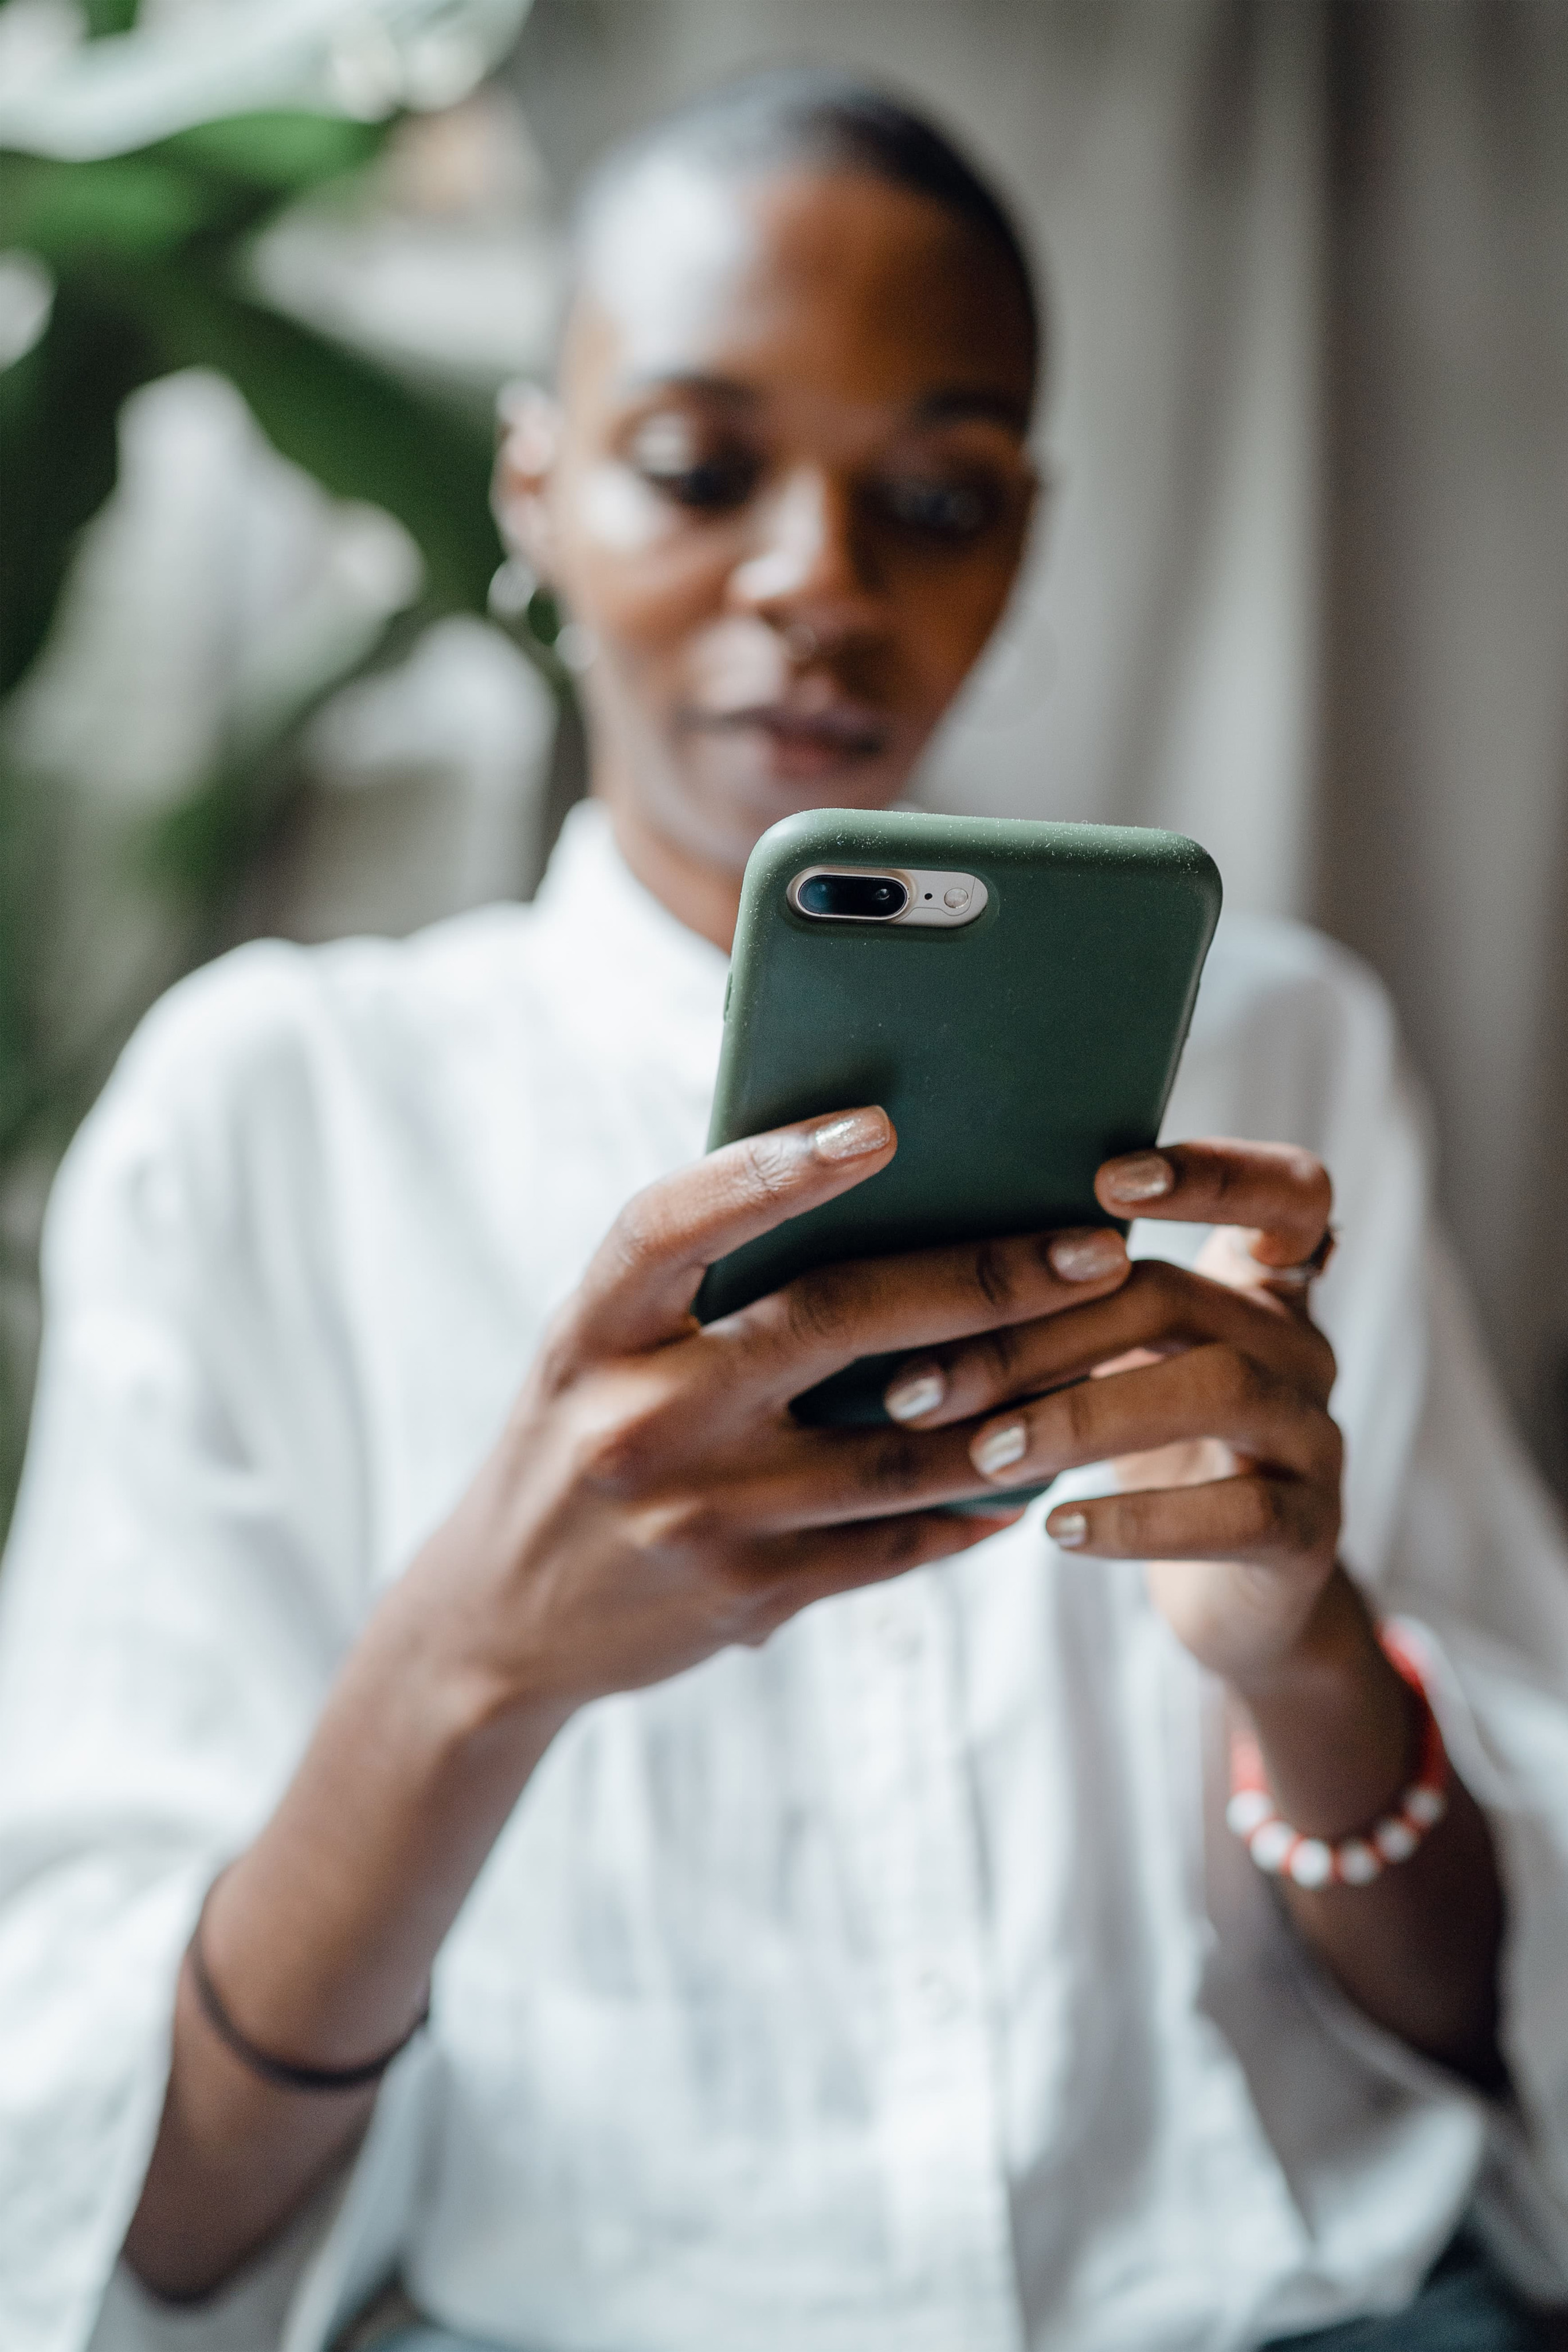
[(876, 1971)]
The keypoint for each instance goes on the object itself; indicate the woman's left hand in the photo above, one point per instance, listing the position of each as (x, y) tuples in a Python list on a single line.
[(1209, 1391), (1208, 1388)]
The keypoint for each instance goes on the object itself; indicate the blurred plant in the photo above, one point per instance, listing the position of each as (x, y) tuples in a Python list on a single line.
[(125, 222)]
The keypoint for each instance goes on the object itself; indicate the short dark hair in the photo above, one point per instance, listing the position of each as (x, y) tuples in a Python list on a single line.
[(807, 115)]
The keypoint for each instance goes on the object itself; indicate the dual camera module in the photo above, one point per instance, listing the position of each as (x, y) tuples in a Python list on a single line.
[(863, 897), (829, 893)]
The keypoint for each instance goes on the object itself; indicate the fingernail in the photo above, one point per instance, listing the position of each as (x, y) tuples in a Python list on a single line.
[(919, 1391), (1143, 1177), (1068, 1529), (1084, 1257), (850, 1138), (1000, 1448)]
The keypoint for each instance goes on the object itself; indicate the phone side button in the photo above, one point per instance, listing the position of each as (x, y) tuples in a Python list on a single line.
[(729, 985)]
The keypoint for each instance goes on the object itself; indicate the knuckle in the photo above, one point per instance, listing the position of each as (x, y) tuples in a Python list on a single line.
[(994, 1274), (617, 1439), (819, 1308), (695, 1522), (904, 1541), (1242, 1384), (1306, 1170), (999, 1353), (1277, 1507), (1331, 1451), (636, 1237), (1078, 1407), (767, 1163), (1323, 1367), (1257, 1508), (557, 1360), (894, 1464), (752, 1605), (1161, 1293)]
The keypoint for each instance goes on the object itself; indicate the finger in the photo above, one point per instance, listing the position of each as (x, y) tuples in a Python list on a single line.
[(1215, 1392), (878, 1306), (1281, 1192), (819, 1478), (638, 1290), (1255, 1518), (870, 1551), (1161, 1308), (1227, 1257)]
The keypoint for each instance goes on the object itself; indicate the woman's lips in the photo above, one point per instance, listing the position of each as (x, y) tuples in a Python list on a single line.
[(805, 740)]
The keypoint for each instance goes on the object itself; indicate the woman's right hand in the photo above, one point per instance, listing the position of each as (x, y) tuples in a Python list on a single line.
[(652, 1500)]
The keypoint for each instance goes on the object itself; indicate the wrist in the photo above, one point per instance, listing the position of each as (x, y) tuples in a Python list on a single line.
[(462, 1694), (1335, 1648), (1337, 1727)]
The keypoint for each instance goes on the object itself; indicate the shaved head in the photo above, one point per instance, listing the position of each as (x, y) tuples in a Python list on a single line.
[(764, 124)]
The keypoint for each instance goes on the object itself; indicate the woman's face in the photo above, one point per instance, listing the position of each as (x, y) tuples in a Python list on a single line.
[(786, 488)]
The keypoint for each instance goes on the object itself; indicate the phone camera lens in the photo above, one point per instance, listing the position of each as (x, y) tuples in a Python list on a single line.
[(868, 897)]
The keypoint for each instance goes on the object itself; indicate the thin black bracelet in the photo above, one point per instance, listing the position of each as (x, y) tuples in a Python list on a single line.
[(284, 2072)]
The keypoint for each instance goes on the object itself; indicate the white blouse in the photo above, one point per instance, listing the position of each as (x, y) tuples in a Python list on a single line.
[(895, 1985)]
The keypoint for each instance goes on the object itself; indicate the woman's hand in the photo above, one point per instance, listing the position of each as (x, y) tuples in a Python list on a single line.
[(1209, 1390), (653, 1499)]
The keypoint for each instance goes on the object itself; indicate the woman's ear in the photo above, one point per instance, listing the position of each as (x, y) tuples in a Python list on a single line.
[(528, 439)]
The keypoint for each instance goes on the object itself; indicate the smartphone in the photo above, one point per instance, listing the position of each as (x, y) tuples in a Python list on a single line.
[(1016, 995)]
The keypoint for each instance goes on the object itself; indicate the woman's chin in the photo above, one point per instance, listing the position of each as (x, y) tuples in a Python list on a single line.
[(768, 777)]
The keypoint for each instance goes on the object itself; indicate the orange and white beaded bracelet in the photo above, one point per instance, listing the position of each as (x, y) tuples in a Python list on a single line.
[(1313, 1862)]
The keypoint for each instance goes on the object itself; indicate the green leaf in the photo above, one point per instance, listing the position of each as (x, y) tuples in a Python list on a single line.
[(283, 153), (360, 431), (58, 408), (108, 17), (133, 206)]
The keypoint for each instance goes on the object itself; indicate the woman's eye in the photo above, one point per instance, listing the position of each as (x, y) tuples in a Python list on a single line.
[(937, 509), (671, 459), (710, 486)]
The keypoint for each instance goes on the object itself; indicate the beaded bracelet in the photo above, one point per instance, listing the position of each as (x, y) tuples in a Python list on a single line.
[(1312, 1862)]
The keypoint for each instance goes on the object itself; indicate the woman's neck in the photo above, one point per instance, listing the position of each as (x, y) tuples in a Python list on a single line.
[(702, 896)]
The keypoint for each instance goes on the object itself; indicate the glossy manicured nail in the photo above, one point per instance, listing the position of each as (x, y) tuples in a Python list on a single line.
[(999, 1448), (1084, 1257), (852, 1136), (919, 1390), (1144, 1176), (1068, 1529)]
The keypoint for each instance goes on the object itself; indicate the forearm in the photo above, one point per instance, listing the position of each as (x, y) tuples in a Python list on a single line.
[(320, 1940), (1417, 1949)]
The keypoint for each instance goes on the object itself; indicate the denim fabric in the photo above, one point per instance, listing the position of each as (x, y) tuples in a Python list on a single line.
[(424, 2338), (1463, 2307)]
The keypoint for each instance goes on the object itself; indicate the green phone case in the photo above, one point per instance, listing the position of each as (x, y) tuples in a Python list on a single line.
[(1012, 1055)]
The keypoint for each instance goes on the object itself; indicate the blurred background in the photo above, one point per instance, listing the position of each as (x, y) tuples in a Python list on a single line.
[(1302, 589)]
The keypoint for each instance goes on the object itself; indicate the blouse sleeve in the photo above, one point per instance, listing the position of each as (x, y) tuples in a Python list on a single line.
[(1446, 1520), (1448, 1525), (1477, 1559), (184, 1573)]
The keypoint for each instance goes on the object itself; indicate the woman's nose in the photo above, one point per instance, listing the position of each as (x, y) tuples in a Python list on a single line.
[(808, 558)]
